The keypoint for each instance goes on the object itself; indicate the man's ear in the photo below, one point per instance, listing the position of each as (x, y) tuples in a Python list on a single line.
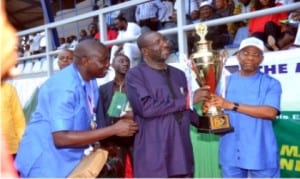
[(144, 51), (84, 60)]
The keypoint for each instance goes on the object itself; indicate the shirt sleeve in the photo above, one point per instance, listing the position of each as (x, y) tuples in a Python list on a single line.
[(273, 94), (144, 104), (162, 10), (18, 114), (63, 110), (137, 14)]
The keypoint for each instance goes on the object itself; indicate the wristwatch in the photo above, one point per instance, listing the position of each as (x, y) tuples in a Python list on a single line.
[(235, 106)]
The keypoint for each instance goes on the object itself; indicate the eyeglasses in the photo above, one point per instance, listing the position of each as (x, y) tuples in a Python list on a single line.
[(246, 54), (157, 41), (65, 58)]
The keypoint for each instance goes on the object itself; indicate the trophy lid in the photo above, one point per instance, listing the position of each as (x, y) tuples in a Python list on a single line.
[(203, 46)]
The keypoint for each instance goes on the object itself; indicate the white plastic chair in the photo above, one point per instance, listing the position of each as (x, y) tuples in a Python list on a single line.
[(20, 67), (36, 66), (28, 66)]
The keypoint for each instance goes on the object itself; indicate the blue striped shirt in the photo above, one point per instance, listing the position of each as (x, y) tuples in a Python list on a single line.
[(150, 9)]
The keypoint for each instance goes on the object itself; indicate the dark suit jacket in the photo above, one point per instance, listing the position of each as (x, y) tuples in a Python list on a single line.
[(106, 92)]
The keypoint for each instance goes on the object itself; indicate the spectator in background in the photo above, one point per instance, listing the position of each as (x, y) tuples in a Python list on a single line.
[(20, 51), (83, 35), (167, 18), (162, 146), (128, 13), (27, 50), (118, 147), (62, 43), (251, 150), (35, 43), (60, 128), (290, 28), (240, 7), (223, 9), (95, 34), (111, 16), (219, 34), (110, 32), (268, 26), (130, 49), (149, 15), (69, 40), (73, 42), (93, 30), (65, 58), (191, 10)]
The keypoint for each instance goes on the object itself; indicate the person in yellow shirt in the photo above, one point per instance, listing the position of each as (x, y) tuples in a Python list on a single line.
[(12, 117), (8, 60)]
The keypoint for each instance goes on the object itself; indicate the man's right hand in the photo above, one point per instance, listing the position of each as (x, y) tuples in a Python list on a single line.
[(201, 94), (125, 128)]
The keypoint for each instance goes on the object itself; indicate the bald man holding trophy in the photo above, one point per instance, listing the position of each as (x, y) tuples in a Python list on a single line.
[(208, 65)]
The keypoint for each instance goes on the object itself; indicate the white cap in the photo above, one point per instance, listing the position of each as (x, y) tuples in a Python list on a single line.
[(206, 3), (252, 41)]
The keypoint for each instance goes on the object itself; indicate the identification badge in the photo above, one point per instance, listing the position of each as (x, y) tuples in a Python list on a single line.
[(93, 122)]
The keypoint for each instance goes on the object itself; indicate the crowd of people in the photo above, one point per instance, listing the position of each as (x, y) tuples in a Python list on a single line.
[(275, 30), (153, 134)]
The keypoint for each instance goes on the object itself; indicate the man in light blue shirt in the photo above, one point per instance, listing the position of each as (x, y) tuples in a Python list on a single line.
[(252, 101), (60, 127)]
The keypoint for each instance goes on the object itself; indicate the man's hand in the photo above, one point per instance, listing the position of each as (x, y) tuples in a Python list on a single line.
[(201, 94), (125, 127), (220, 102)]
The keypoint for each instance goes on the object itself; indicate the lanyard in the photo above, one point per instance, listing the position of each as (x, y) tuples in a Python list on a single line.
[(90, 101), (93, 123), (90, 98)]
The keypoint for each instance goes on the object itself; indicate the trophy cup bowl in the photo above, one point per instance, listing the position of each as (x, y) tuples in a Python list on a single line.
[(208, 65)]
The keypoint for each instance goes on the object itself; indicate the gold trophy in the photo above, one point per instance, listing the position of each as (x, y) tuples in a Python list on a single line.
[(208, 65)]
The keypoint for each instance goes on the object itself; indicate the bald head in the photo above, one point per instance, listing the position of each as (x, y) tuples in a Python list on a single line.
[(144, 38), (92, 59), (154, 48), (86, 47)]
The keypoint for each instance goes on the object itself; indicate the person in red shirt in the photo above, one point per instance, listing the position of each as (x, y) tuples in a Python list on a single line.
[(268, 26), (94, 32), (111, 34)]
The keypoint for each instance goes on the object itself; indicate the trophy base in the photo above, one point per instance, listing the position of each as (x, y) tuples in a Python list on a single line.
[(217, 124)]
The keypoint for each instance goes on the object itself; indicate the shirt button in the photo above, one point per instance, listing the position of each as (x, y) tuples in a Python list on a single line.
[(238, 150), (238, 158)]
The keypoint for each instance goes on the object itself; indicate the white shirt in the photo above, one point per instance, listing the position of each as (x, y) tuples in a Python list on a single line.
[(35, 46), (133, 30)]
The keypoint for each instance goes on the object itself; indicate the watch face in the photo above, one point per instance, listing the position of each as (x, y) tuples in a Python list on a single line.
[(235, 107)]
